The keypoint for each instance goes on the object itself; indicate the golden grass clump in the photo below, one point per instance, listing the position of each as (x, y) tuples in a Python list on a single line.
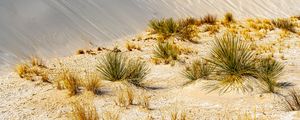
[(111, 115), (235, 63), (284, 24), (259, 24), (125, 97), (209, 19), (165, 28), (198, 69), (167, 51), (83, 111), (69, 81), (131, 46), (189, 21), (93, 83), (22, 70), (116, 67)]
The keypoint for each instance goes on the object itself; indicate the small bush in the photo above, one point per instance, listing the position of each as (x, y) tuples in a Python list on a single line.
[(22, 70), (167, 51), (164, 27), (70, 82), (284, 24), (131, 46), (268, 72), (212, 29), (83, 112), (189, 21), (234, 61), (198, 69), (115, 67), (209, 19)]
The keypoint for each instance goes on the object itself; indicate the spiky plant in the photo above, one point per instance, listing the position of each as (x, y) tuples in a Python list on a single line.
[(268, 72), (83, 112), (209, 19), (284, 24), (115, 67), (189, 21), (198, 69), (22, 70), (234, 61), (166, 51), (292, 101), (164, 27)]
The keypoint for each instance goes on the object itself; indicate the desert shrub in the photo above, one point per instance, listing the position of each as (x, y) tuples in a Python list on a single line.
[(284, 24), (234, 62), (164, 27), (93, 83), (209, 19), (292, 101), (130, 46), (228, 18), (198, 69), (115, 67), (83, 112), (189, 21), (70, 82), (268, 72), (22, 69), (167, 51)]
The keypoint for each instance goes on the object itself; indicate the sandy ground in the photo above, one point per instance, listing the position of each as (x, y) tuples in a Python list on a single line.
[(22, 99)]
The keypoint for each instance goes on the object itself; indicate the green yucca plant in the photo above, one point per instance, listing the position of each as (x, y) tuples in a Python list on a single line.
[(115, 67), (166, 51), (164, 27), (284, 24), (268, 72), (198, 69), (234, 62), (209, 19)]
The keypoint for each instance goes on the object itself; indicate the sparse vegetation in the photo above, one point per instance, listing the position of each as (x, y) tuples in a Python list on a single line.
[(116, 67), (189, 33), (167, 51), (234, 61), (83, 112), (284, 24), (125, 97), (198, 69), (209, 19), (131, 46)]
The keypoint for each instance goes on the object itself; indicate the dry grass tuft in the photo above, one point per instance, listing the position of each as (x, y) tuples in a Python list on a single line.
[(79, 52), (111, 115), (209, 19), (22, 70), (212, 29), (131, 46), (69, 81), (83, 112), (93, 83), (228, 18), (125, 97), (189, 33), (284, 24)]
